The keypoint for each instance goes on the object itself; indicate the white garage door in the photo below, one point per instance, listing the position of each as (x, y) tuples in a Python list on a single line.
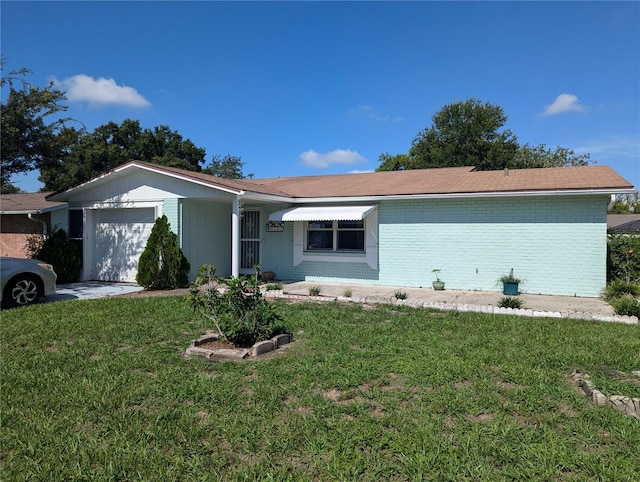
[(120, 238)]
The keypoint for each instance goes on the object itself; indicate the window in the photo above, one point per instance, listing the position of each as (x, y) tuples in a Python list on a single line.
[(75, 224), (335, 236)]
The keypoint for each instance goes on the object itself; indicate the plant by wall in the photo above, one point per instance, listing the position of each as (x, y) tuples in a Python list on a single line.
[(162, 264), (623, 257), (59, 251), (236, 306), (510, 302)]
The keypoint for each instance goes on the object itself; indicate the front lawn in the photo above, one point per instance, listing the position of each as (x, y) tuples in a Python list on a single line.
[(99, 390)]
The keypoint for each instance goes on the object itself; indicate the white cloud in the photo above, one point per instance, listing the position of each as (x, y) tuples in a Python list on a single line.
[(565, 103), (369, 111), (312, 158), (100, 91), (612, 148)]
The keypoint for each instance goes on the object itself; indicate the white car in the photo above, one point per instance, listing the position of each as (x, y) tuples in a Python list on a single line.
[(24, 281)]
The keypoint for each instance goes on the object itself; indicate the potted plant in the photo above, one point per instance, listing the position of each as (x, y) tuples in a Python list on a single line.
[(437, 284), (510, 284)]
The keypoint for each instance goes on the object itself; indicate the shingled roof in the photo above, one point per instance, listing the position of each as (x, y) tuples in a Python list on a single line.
[(28, 203), (454, 180), (441, 181)]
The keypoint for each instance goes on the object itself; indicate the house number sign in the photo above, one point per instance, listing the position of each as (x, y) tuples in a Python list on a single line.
[(275, 227)]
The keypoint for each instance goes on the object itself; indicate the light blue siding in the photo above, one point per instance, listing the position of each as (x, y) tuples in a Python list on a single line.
[(206, 235), (171, 209), (556, 244)]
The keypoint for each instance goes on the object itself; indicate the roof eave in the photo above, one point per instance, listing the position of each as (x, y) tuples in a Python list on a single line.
[(63, 196), (470, 195)]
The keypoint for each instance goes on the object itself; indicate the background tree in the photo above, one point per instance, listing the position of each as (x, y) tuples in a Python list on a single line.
[(463, 134), (541, 156), (30, 125), (472, 133), (228, 167), (626, 204), (110, 145)]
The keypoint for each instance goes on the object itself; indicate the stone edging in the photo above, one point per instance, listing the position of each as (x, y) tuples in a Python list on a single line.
[(628, 320), (628, 405), (237, 354)]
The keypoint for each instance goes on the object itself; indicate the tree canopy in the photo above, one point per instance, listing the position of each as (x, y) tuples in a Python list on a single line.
[(30, 126), (472, 133), (229, 167), (112, 144)]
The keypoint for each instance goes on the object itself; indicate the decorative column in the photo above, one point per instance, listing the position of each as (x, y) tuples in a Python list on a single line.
[(235, 238)]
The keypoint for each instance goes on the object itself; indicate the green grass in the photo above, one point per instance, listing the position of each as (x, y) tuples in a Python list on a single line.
[(99, 390)]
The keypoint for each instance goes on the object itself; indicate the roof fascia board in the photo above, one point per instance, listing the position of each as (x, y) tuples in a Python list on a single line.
[(103, 177), (473, 195), (184, 178)]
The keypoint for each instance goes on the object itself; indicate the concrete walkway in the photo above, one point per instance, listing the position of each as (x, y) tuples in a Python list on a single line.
[(481, 301)]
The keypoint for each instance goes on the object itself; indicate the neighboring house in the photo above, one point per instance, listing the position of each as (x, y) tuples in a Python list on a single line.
[(25, 214), (624, 223), (380, 228)]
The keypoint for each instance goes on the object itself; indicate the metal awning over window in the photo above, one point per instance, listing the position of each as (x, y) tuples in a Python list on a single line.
[(322, 213)]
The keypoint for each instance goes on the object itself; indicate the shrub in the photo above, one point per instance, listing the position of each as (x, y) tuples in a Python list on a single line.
[(236, 306), (510, 302), (400, 295), (347, 293), (162, 264), (626, 305), (59, 251), (618, 288), (276, 286), (623, 257), (314, 290)]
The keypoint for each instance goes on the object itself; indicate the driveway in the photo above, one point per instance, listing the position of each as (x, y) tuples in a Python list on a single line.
[(89, 290)]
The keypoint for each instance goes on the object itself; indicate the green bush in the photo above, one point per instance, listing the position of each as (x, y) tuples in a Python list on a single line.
[(510, 302), (618, 288), (61, 252), (623, 257), (236, 306), (626, 305), (162, 264)]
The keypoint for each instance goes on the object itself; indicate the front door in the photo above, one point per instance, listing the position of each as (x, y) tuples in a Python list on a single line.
[(249, 241)]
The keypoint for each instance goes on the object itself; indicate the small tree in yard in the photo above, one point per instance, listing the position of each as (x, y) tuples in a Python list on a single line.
[(162, 264), (236, 306)]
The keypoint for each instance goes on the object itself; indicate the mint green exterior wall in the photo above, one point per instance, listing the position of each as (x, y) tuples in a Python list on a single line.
[(205, 234), (557, 244), (171, 209)]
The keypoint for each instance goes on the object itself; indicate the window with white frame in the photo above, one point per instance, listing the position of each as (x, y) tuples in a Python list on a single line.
[(335, 236)]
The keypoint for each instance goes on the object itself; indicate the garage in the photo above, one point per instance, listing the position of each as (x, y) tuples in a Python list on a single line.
[(119, 238)]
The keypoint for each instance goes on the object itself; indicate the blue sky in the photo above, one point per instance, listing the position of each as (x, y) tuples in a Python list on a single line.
[(304, 88)]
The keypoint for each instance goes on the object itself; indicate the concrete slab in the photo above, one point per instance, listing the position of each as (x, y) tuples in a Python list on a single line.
[(546, 305), (88, 290)]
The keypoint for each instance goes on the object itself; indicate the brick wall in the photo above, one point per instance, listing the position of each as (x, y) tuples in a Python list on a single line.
[(15, 230)]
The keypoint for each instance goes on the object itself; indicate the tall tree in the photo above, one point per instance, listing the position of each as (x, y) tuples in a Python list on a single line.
[(229, 167), (472, 133), (465, 134), (540, 156), (30, 124), (112, 144)]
